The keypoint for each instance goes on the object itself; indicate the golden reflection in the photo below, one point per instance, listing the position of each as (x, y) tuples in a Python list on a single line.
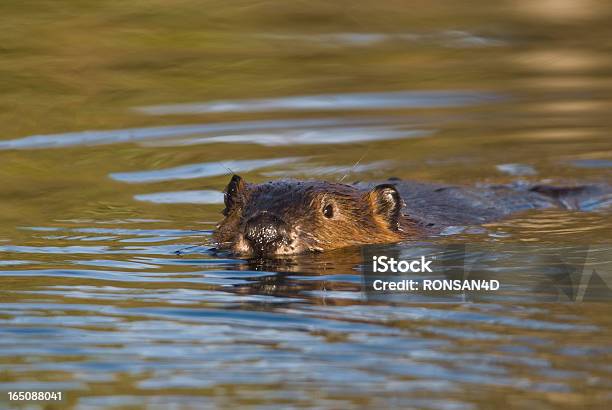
[(560, 11), (566, 107), (562, 60)]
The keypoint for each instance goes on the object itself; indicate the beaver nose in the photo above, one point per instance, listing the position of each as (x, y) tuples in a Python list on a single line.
[(264, 230)]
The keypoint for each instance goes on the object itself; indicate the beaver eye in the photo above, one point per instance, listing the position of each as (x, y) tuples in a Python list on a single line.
[(328, 211)]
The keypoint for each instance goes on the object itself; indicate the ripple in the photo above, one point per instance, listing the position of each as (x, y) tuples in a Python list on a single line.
[(204, 277), (308, 170), (329, 102), (119, 231), (50, 386), (116, 264), (205, 169), (592, 163), (182, 197), (73, 249), (15, 262), (336, 135), (94, 250), (99, 137), (460, 317), (167, 295), (447, 38), (517, 169)]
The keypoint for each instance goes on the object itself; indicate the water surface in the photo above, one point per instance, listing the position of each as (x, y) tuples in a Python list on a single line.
[(120, 125)]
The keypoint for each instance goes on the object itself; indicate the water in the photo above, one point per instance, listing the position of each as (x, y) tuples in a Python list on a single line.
[(119, 122)]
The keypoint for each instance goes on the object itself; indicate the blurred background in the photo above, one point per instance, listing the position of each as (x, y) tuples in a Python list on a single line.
[(458, 90), (119, 122)]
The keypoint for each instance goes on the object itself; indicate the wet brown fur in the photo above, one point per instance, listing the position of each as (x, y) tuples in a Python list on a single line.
[(368, 214), (359, 216)]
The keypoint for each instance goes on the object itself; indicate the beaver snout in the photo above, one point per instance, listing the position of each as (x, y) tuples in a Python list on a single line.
[(265, 232)]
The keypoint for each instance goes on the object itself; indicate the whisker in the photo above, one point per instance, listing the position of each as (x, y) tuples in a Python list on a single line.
[(354, 165), (228, 169)]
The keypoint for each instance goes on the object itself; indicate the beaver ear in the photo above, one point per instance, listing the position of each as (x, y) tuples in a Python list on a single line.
[(232, 191), (385, 201)]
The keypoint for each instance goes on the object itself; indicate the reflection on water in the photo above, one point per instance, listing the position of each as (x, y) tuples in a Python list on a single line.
[(449, 38), (285, 132), (183, 197), (174, 316), (517, 169), (306, 170), (353, 101), (119, 127), (592, 163), (310, 137), (199, 170)]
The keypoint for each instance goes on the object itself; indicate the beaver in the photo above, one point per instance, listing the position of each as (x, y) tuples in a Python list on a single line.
[(288, 216)]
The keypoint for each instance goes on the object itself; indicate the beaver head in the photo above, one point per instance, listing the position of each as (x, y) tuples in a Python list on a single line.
[(289, 216)]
